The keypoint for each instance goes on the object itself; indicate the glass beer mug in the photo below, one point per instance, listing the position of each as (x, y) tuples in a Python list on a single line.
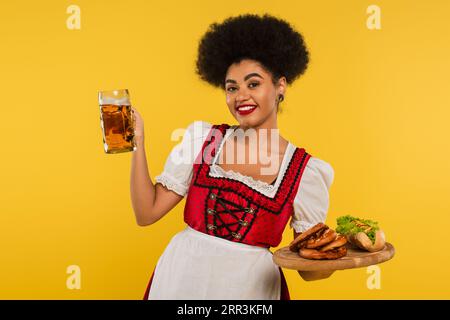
[(117, 121)]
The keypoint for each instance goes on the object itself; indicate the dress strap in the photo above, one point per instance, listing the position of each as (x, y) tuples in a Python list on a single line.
[(212, 142)]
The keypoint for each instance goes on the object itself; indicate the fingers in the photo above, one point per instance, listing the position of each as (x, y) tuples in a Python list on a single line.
[(134, 111)]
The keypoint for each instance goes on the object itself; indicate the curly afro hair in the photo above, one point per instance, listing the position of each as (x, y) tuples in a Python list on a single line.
[(268, 40)]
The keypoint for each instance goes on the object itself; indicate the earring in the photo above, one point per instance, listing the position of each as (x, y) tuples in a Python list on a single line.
[(280, 98)]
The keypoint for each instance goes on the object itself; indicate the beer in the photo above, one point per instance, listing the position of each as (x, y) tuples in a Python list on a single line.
[(117, 121)]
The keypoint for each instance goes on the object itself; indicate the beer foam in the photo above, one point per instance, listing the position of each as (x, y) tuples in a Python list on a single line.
[(124, 101)]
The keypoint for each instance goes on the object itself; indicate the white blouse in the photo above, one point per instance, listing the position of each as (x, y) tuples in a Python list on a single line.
[(310, 203)]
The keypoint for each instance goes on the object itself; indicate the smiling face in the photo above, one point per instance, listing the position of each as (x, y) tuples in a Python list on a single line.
[(247, 82)]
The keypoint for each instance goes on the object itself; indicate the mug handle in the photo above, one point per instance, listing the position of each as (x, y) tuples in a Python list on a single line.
[(133, 119)]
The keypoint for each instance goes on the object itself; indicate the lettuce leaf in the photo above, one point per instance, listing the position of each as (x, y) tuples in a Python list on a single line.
[(349, 225)]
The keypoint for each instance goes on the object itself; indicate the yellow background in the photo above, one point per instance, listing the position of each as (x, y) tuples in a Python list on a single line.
[(373, 103)]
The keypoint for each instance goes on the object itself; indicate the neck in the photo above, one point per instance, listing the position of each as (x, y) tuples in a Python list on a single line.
[(269, 123), (268, 130)]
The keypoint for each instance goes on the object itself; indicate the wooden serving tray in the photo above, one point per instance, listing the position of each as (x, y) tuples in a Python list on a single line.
[(355, 258)]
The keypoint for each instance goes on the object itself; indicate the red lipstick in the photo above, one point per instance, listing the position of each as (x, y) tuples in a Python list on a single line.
[(245, 109)]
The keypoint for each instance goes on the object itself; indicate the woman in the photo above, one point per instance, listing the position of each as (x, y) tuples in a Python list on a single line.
[(234, 212)]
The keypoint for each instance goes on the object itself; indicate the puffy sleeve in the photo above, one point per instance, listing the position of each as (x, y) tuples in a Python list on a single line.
[(178, 169), (312, 199)]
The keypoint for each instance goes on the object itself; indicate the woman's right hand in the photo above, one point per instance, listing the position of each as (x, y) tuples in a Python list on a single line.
[(139, 125)]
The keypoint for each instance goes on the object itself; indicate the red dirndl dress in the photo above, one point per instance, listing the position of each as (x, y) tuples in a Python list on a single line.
[(236, 215)]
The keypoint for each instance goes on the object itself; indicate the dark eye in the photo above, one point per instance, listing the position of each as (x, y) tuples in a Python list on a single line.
[(251, 84)]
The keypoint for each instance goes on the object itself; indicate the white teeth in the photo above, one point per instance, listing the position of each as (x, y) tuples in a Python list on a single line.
[(246, 108)]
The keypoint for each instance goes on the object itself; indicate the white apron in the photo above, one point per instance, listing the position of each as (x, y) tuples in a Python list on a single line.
[(199, 266)]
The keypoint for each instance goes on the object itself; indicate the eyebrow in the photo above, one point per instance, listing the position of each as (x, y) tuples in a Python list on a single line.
[(246, 77)]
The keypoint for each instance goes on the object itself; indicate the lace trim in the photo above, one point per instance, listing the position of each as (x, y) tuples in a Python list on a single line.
[(171, 184), (259, 185), (263, 187)]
